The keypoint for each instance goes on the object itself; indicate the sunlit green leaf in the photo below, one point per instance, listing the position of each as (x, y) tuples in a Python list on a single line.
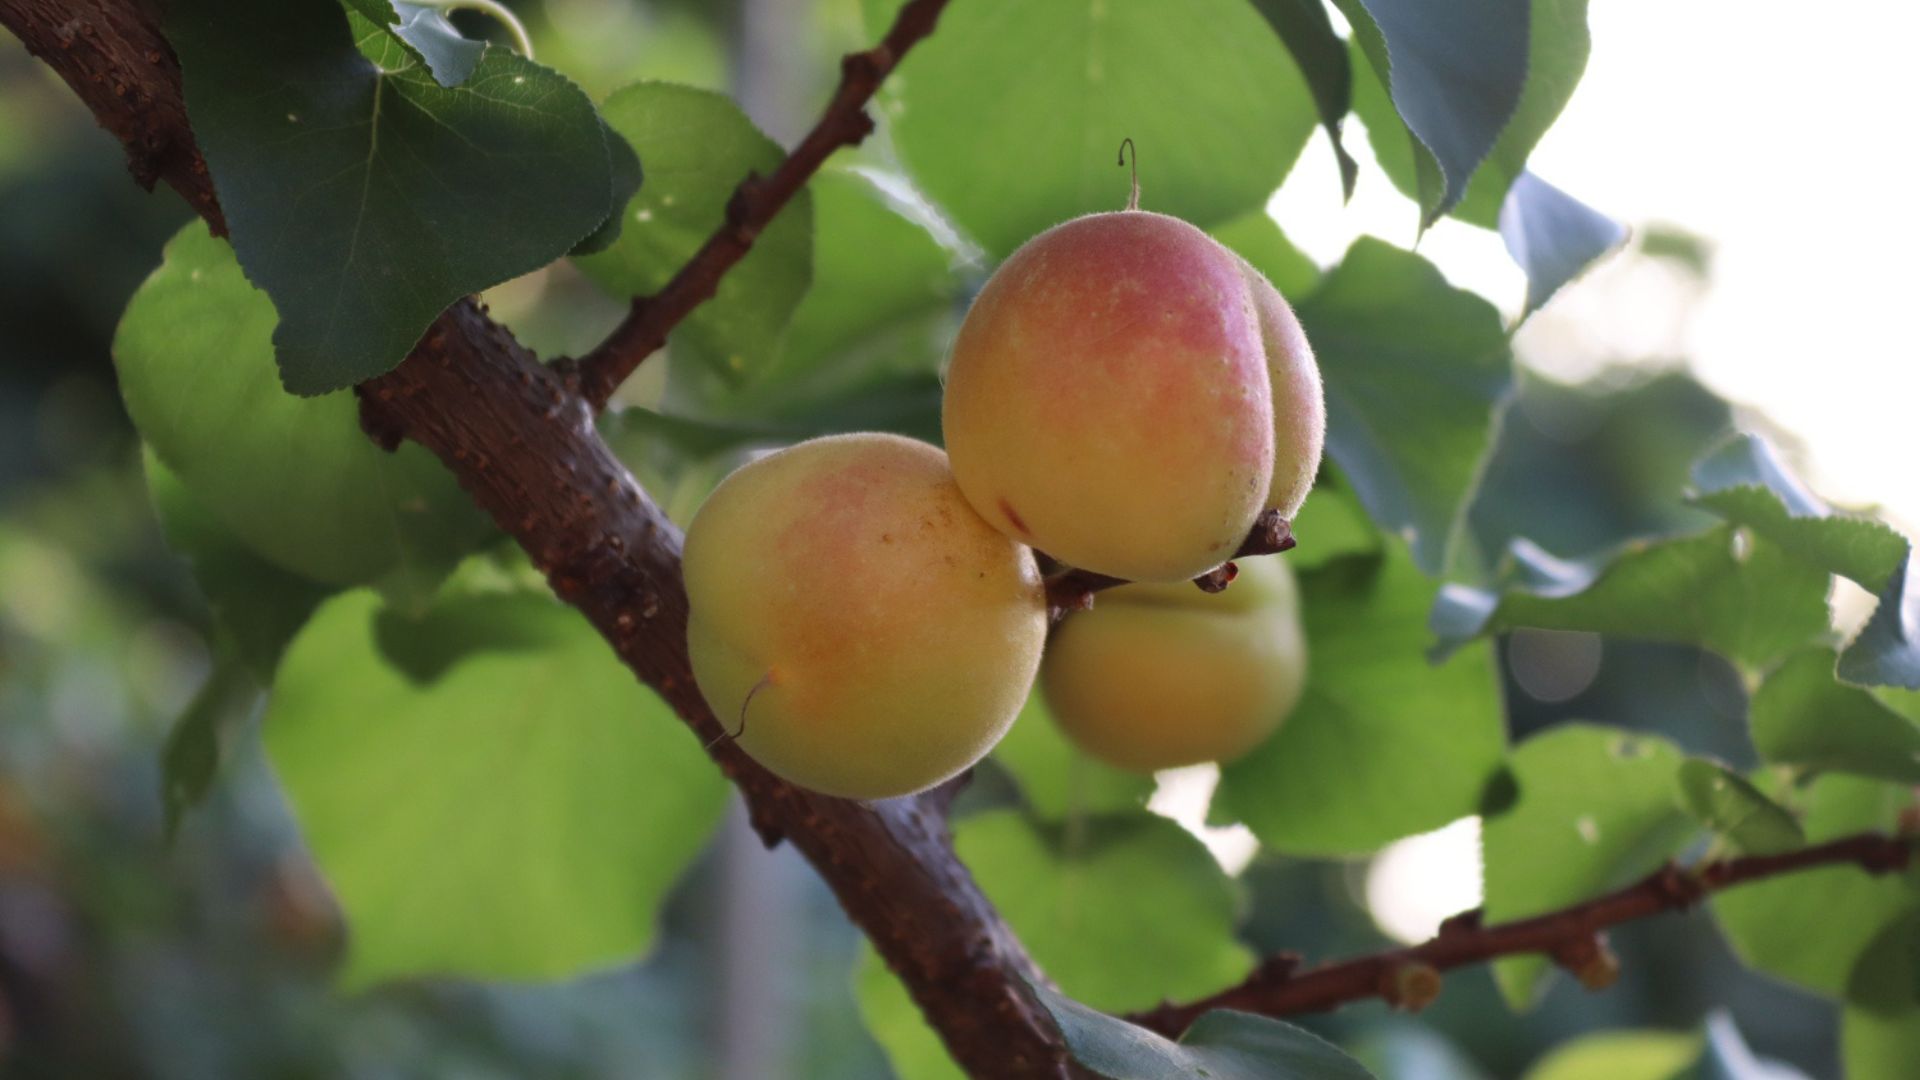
[(1322, 55), (1414, 370), (1057, 780), (1739, 813), (1122, 911), (697, 146), (1581, 810), (1810, 928), (295, 478), (1010, 117), (1801, 716), (1383, 743), (1622, 1055), (518, 810)]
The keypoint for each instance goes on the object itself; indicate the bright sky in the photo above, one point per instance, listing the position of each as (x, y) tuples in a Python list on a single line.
[(1779, 138)]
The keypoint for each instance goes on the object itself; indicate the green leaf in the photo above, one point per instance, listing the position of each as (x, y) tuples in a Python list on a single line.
[(1456, 76), (1058, 781), (626, 180), (698, 146), (294, 478), (1308, 33), (1553, 236), (1588, 809), (1811, 927), (1726, 589), (1736, 811), (196, 743), (886, 296), (1622, 1055), (1221, 1045), (913, 1048), (257, 607), (1801, 716), (429, 34), (1383, 743), (1010, 116), (1414, 370), (362, 195), (1123, 911), (520, 814), (1555, 43), (1745, 483), (1879, 1046)]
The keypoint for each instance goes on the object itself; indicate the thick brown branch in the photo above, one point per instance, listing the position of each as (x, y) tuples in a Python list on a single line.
[(844, 122), (524, 446), (1571, 936), (1072, 590)]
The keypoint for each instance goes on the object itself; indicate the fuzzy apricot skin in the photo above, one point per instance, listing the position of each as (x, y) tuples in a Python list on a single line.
[(1299, 400), (1160, 676), (1108, 399), (897, 634)]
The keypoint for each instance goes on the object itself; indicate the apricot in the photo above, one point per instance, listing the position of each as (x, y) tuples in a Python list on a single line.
[(858, 626), (1299, 400), (1158, 676), (1111, 398)]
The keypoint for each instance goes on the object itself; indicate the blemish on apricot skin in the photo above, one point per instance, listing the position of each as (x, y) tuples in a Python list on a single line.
[(1014, 517)]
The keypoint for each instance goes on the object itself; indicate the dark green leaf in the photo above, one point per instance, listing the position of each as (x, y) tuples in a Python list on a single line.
[(1056, 779), (1880, 1046), (521, 814), (1594, 808), (1553, 236), (1123, 911), (1812, 927), (626, 180), (1555, 44), (1010, 116), (1739, 813), (1456, 75), (1308, 33), (365, 197), (1744, 482), (698, 146), (294, 478), (1414, 369), (196, 743), (1726, 589), (1383, 744), (1801, 716), (1880, 1029), (1221, 1045)]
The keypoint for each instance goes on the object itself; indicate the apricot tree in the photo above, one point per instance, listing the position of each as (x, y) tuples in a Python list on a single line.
[(432, 550)]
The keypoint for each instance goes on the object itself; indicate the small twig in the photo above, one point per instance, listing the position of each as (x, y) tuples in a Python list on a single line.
[(1072, 590), (1571, 936), (844, 122)]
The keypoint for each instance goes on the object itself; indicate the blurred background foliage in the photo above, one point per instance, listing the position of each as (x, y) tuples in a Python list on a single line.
[(213, 955)]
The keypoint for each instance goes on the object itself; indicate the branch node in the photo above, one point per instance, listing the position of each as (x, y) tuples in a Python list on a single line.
[(1411, 986), (1218, 578), (1589, 959), (1465, 922)]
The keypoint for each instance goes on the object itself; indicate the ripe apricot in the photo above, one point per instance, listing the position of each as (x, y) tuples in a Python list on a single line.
[(1111, 398), (1158, 676), (853, 618)]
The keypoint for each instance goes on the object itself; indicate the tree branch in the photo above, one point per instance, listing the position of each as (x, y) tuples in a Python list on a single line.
[(522, 443), (1071, 590), (1571, 936), (844, 122)]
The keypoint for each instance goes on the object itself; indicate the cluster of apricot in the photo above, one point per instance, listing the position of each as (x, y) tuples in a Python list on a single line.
[(1125, 395)]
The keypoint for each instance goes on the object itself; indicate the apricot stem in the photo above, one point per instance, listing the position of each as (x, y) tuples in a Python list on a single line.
[(1133, 199)]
